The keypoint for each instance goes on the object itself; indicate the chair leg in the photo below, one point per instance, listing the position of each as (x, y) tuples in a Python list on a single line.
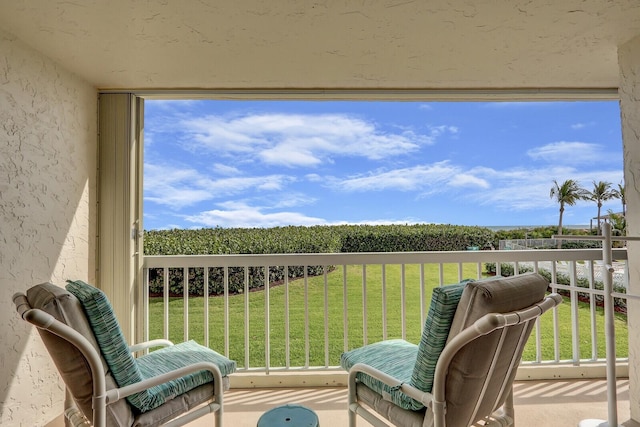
[(509, 410), (218, 416), (352, 399), (352, 418)]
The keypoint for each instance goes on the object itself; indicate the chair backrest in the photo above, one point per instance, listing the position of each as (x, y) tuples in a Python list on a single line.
[(476, 370), (67, 347)]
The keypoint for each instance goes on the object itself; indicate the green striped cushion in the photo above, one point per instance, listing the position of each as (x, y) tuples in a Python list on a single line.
[(444, 302), (173, 357), (127, 370), (393, 357), (107, 331)]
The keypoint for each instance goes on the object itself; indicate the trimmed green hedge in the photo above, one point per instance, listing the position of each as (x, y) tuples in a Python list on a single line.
[(293, 239), (419, 237)]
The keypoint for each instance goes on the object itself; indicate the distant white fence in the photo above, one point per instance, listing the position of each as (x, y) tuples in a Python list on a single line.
[(526, 244), (583, 269)]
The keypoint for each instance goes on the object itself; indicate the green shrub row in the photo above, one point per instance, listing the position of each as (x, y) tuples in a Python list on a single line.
[(419, 237), (236, 279), (292, 239), (212, 241)]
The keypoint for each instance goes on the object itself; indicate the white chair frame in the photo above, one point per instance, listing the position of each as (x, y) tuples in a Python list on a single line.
[(103, 397)]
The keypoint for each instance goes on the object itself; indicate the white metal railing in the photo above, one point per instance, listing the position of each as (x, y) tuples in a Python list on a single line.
[(358, 298)]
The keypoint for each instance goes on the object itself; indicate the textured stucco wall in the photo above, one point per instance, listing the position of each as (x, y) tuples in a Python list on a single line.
[(629, 59), (48, 142)]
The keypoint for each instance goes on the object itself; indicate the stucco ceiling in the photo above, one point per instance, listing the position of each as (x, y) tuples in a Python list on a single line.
[(385, 44)]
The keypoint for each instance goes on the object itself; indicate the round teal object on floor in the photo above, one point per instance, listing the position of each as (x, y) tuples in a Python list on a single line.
[(289, 416)]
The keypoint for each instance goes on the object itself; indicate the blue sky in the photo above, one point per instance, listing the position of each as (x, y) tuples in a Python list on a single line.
[(277, 163)]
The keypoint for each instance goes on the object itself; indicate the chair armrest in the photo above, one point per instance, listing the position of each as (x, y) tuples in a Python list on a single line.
[(116, 394), (419, 395), (149, 344)]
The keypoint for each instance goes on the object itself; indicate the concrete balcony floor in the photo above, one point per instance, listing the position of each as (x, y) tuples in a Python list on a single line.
[(537, 403)]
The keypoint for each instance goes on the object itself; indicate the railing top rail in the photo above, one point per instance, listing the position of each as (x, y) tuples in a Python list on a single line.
[(250, 260)]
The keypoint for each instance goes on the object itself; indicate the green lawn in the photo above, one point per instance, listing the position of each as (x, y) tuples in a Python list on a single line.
[(354, 309)]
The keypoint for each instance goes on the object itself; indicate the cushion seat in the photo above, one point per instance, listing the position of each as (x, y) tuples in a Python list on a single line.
[(394, 357), (177, 356)]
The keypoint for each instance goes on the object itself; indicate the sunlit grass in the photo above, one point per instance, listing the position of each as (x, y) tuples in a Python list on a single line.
[(327, 352)]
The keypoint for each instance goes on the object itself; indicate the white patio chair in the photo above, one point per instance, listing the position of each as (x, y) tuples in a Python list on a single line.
[(170, 386), (462, 371)]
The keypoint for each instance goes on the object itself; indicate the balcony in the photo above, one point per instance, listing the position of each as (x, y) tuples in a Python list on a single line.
[(287, 336), (547, 403)]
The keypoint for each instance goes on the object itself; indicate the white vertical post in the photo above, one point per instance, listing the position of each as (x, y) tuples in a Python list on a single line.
[(609, 336), (609, 327)]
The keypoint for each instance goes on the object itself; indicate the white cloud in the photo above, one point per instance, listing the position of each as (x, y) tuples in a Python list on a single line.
[(528, 189), (223, 169), (436, 131), (292, 199), (238, 214), (468, 180), (295, 140), (433, 177), (314, 177), (178, 188), (565, 152), (578, 126)]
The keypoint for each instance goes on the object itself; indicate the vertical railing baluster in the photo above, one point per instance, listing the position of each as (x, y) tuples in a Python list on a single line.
[(556, 317), (145, 304), (440, 274), (423, 308), (307, 345), (403, 302), (593, 311), (326, 316), (287, 348), (345, 305), (267, 322), (460, 272), (165, 302), (225, 294), (538, 328), (247, 335), (205, 285), (364, 305), (384, 302), (185, 302), (575, 312)]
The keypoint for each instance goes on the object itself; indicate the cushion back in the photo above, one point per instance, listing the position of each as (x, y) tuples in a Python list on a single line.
[(111, 342), (470, 370), (72, 366), (444, 302), (107, 331)]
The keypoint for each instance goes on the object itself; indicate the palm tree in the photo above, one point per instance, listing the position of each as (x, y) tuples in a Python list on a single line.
[(602, 192), (619, 194), (618, 223), (566, 194)]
